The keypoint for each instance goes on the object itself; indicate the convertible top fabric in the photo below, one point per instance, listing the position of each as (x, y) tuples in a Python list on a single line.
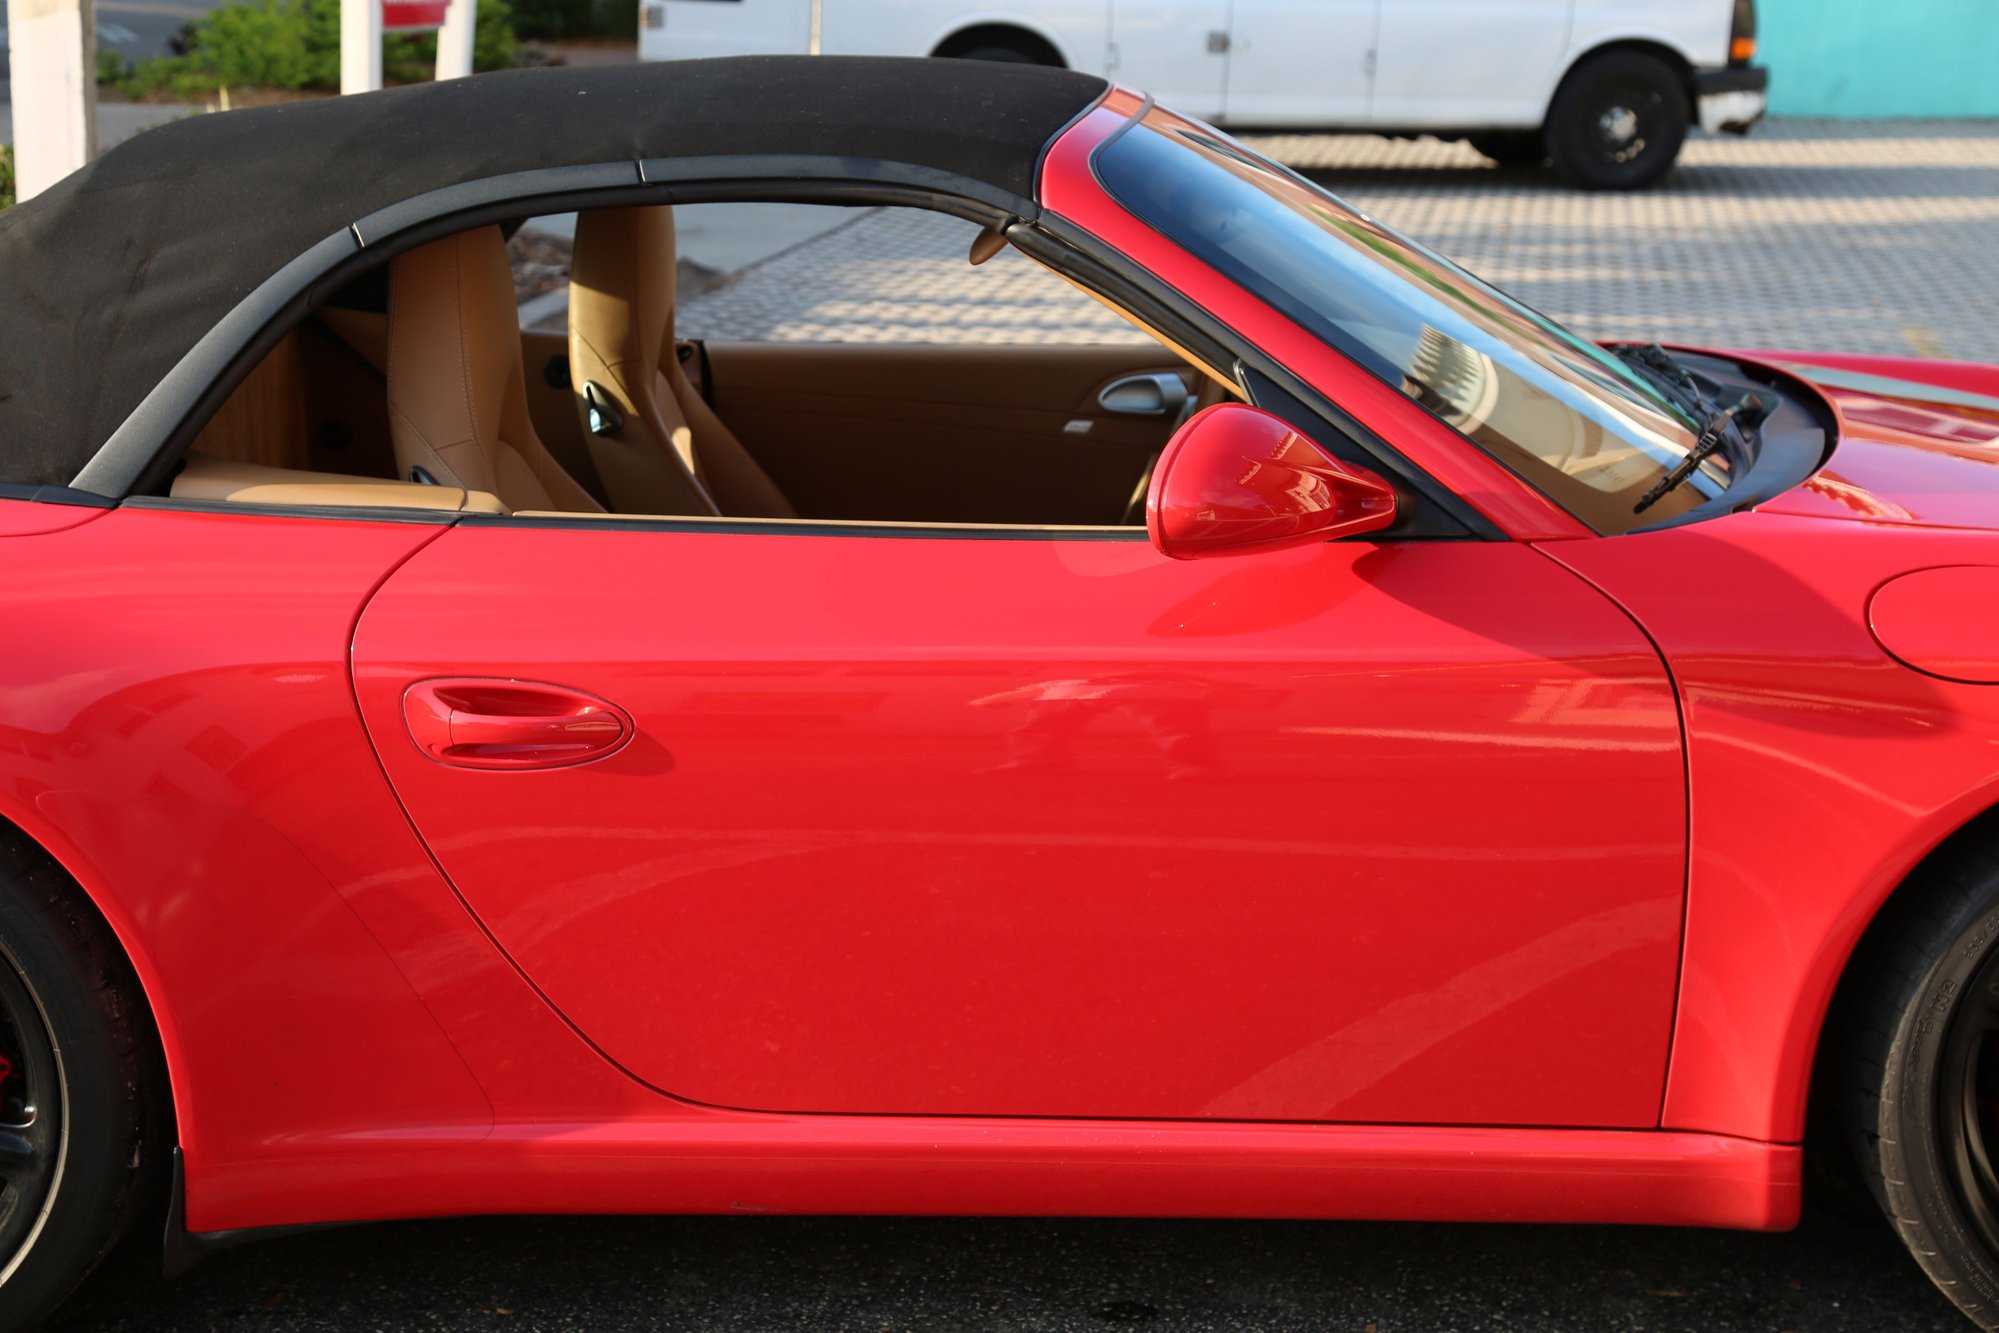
[(110, 277)]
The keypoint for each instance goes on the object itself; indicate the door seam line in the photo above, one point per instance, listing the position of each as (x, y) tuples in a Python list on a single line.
[(1687, 813)]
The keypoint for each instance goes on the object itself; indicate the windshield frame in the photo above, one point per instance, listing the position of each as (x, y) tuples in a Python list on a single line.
[(1617, 394)]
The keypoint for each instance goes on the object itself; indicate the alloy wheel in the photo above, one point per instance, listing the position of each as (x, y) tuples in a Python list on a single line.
[(1624, 121), (1967, 1109), (31, 1106)]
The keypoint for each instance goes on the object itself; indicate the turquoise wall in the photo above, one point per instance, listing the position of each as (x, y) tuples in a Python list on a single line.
[(1881, 57)]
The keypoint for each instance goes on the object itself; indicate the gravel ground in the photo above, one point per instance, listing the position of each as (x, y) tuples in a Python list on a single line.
[(606, 1275)]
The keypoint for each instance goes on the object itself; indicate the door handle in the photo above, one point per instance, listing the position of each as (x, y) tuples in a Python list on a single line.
[(474, 723), (1150, 395)]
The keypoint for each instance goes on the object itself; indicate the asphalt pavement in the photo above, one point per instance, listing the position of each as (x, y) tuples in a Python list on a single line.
[(137, 29), (1835, 1274)]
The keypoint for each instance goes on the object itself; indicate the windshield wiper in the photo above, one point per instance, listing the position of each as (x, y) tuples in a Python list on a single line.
[(1748, 411), (1669, 376)]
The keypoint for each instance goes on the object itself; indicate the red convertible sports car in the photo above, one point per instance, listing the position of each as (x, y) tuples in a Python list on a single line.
[(1364, 752)]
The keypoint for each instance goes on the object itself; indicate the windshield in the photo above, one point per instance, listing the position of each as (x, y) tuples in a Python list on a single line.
[(1565, 415)]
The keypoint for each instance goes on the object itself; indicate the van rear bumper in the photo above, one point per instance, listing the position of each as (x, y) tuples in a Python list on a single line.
[(1732, 99)]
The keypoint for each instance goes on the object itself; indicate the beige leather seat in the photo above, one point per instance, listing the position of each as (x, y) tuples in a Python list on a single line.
[(458, 411), (670, 454)]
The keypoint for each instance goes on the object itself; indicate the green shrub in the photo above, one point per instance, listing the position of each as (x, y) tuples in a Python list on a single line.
[(294, 45), (112, 68), (6, 175), (259, 45), (495, 37)]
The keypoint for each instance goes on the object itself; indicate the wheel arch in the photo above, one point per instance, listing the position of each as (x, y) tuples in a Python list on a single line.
[(1021, 34), (1635, 44), (43, 839), (1815, 1110)]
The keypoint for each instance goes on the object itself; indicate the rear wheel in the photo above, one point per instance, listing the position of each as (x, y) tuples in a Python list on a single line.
[(1618, 121), (1923, 1098), (1002, 42), (78, 1065), (1011, 55)]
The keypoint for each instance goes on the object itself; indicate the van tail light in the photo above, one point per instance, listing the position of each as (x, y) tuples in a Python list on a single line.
[(1742, 33)]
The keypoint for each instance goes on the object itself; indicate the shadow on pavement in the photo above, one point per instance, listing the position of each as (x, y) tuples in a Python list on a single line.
[(1834, 1273)]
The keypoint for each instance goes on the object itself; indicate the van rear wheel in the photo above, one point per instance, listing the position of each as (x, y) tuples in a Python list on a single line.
[(1003, 42), (1005, 54), (1618, 121)]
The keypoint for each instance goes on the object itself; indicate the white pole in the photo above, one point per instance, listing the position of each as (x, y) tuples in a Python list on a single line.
[(454, 39), (360, 46), (53, 51)]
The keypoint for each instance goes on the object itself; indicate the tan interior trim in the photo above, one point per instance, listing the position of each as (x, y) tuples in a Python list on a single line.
[(206, 478), (1223, 380), (365, 333), (941, 433), (264, 419)]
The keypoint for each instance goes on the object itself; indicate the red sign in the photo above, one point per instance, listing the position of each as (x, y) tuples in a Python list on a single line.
[(409, 15)]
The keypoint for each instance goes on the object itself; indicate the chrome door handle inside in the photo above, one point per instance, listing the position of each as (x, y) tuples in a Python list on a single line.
[(1152, 395)]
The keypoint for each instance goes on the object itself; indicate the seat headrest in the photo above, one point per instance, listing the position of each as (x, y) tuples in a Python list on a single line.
[(457, 395), (622, 281), (454, 344)]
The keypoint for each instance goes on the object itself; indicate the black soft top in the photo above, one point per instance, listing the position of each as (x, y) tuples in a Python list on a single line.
[(110, 277)]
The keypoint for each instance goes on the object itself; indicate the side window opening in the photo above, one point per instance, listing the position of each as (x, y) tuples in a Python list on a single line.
[(737, 361)]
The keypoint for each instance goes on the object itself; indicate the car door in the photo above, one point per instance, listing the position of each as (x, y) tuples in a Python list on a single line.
[(1301, 62), (1031, 823), (1176, 50), (1468, 64)]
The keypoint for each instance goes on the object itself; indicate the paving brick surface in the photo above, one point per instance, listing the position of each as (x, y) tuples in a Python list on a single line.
[(899, 275), (1875, 237)]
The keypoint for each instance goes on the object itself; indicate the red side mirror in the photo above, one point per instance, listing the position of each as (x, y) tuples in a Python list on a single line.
[(1237, 479)]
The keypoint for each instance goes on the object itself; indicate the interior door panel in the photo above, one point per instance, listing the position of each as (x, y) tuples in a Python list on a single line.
[(942, 434), (1017, 825)]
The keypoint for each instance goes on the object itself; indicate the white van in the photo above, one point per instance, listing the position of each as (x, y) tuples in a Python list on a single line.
[(1605, 89)]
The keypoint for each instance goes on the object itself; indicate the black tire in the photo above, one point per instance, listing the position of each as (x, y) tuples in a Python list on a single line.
[(1922, 1065), (1511, 148), (1002, 42), (1618, 121), (1011, 55), (75, 1030)]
